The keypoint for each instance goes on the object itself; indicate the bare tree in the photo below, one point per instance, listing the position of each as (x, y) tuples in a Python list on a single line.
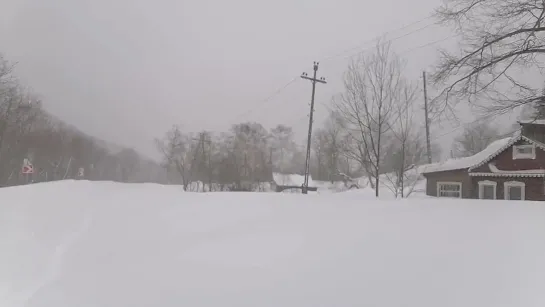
[(318, 168), (373, 85), (474, 139), (498, 38), (406, 146), (531, 111), (283, 147), (177, 151), (328, 145), (202, 165)]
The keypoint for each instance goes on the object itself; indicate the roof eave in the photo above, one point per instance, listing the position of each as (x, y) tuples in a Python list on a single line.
[(444, 171), (484, 174)]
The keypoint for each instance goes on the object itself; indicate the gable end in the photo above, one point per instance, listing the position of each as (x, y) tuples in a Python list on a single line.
[(507, 146), (499, 151)]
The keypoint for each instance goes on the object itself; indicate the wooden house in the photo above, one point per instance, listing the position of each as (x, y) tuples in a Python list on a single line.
[(512, 168)]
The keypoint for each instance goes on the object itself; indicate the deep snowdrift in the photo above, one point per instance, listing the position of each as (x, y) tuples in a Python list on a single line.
[(104, 244)]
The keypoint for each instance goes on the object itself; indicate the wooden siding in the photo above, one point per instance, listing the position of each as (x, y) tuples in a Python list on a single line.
[(504, 161), (534, 190), (448, 176)]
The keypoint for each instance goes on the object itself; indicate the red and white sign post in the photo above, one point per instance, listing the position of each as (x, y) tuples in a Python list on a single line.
[(27, 169)]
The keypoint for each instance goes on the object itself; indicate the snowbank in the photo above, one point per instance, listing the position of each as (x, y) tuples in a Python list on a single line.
[(70, 244)]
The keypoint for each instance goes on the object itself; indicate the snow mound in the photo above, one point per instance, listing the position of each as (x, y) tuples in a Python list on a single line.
[(104, 244)]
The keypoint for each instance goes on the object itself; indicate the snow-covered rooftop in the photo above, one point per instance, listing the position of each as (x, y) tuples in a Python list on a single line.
[(467, 162), (533, 121)]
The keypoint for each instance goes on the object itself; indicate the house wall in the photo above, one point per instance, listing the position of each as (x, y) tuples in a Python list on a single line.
[(535, 187), (504, 161), (448, 176)]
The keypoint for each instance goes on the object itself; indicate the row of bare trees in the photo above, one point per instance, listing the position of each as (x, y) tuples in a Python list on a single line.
[(56, 150), (372, 130), (243, 158)]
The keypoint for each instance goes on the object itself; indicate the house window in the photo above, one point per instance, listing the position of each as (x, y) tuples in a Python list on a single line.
[(514, 190), (524, 152), (449, 189), (487, 189)]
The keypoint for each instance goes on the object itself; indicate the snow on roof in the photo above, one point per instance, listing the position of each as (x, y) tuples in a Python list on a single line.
[(291, 179), (494, 171), (533, 121), (467, 162)]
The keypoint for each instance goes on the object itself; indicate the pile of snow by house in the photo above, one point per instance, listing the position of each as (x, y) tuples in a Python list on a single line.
[(105, 244)]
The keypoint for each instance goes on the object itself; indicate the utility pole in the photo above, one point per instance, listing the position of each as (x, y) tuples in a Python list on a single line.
[(307, 160), (427, 119), (203, 139)]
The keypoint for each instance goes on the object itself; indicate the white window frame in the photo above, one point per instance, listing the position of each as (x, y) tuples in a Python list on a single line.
[(508, 184), (518, 156), (439, 183), (484, 183)]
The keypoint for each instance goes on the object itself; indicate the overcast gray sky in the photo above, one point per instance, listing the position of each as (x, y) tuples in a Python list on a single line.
[(127, 70)]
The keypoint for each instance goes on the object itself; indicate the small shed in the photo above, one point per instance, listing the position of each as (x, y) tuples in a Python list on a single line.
[(284, 182)]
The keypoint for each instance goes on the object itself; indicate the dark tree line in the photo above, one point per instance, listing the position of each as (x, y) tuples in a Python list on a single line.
[(56, 150), (246, 156)]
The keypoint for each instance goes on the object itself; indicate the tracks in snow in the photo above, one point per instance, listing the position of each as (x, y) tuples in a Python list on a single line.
[(54, 266)]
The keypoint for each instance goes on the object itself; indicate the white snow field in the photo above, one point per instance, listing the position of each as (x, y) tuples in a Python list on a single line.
[(78, 244)]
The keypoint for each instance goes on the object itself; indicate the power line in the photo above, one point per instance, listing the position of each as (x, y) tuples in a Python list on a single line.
[(281, 89), (274, 94), (461, 125), (428, 44), (377, 38), (267, 99)]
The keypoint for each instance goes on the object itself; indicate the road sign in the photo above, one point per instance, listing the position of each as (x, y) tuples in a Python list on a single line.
[(27, 167)]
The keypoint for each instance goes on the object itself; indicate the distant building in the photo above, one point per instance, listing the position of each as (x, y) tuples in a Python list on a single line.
[(283, 182), (512, 168)]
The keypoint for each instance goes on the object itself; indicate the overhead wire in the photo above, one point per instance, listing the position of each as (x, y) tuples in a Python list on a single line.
[(267, 99), (428, 44), (379, 37), (490, 116), (281, 89), (406, 51)]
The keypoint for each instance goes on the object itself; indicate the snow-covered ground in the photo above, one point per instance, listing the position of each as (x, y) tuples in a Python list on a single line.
[(415, 184), (104, 244)]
